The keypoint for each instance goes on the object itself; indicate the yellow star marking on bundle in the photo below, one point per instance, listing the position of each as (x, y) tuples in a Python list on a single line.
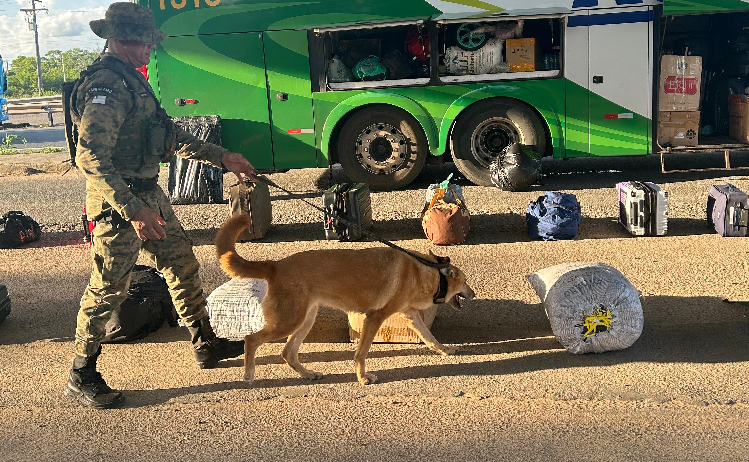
[(600, 317)]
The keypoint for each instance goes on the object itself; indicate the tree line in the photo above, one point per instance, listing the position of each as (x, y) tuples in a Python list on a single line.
[(22, 76)]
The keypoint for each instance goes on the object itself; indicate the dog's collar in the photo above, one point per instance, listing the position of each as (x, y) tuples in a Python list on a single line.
[(439, 296)]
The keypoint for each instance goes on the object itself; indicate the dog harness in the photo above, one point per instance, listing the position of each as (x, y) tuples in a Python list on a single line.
[(442, 262), (439, 296)]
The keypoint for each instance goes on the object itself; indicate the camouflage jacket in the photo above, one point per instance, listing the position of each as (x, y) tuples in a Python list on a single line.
[(124, 133)]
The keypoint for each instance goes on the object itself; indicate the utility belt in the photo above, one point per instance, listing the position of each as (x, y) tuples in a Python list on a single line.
[(136, 185), (142, 185)]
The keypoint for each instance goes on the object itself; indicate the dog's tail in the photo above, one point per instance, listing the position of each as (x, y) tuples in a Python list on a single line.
[(231, 262)]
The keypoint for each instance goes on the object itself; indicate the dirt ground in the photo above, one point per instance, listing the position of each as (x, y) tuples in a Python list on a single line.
[(681, 392)]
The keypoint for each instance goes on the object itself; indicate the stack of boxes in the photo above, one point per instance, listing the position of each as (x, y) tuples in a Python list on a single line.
[(679, 100)]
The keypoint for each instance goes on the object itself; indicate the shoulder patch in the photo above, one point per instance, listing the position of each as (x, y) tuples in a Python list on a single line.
[(99, 99), (100, 90)]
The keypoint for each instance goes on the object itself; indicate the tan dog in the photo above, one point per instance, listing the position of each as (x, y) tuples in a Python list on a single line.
[(378, 282)]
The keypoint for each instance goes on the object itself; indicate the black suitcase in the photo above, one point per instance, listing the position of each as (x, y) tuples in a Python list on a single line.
[(190, 181), (352, 202), (728, 210), (4, 303)]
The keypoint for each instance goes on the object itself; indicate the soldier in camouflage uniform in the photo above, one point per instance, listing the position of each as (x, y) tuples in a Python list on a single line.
[(123, 134)]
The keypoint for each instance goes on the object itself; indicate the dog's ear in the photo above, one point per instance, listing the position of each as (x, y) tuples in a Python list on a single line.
[(449, 272), (442, 259)]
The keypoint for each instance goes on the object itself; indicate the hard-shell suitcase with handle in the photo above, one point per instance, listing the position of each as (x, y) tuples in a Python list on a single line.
[(643, 208), (352, 202), (728, 210), (252, 199), (4, 303)]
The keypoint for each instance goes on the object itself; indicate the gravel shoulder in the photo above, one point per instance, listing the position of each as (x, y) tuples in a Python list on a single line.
[(681, 392)]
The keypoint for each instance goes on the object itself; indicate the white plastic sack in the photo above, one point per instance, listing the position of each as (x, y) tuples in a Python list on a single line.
[(485, 60), (448, 193), (592, 307), (234, 307), (338, 72)]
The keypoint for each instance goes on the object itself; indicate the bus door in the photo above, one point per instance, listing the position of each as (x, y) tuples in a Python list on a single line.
[(224, 75), (290, 96), (609, 65)]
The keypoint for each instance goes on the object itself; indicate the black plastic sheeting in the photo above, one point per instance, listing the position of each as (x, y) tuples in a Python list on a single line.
[(516, 169), (193, 182)]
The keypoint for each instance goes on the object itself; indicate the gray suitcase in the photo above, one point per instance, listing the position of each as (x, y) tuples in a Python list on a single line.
[(728, 210), (4, 303), (643, 208), (352, 202)]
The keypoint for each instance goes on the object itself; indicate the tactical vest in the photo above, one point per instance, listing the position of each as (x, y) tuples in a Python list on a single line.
[(147, 136)]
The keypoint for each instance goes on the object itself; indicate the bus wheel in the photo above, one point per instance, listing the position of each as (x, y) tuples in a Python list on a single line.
[(483, 130), (383, 147)]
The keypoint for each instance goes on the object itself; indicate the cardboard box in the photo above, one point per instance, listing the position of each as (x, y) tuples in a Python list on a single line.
[(678, 128), (393, 330), (738, 118), (522, 54), (680, 82)]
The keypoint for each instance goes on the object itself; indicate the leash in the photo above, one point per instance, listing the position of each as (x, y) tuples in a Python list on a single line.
[(442, 262)]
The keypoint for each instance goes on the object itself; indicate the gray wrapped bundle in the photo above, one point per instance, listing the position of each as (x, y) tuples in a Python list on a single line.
[(592, 307), (234, 307)]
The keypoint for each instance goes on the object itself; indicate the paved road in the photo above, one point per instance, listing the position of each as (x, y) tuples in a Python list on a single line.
[(35, 137), (681, 392)]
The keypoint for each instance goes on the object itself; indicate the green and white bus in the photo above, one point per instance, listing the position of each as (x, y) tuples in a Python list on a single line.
[(265, 68)]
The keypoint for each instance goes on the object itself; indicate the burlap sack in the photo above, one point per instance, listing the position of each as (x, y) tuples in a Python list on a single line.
[(446, 223)]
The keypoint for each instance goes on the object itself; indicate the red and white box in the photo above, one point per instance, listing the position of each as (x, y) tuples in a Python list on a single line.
[(680, 83)]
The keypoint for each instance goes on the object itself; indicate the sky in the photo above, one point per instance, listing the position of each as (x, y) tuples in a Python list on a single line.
[(62, 27)]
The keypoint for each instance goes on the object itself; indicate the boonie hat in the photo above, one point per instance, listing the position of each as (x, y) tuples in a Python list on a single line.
[(128, 21)]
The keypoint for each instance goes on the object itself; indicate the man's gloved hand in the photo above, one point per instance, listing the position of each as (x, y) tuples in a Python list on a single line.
[(148, 223), (237, 164)]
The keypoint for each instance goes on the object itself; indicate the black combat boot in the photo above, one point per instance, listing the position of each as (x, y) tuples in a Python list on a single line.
[(86, 385), (210, 349)]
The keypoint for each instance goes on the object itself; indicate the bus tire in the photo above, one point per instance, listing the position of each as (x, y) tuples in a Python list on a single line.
[(484, 129), (382, 146)]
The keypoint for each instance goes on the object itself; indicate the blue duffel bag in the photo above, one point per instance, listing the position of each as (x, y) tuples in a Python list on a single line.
[(554, 216)]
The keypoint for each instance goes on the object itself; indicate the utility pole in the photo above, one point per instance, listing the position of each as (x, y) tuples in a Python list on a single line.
[(33, 11)]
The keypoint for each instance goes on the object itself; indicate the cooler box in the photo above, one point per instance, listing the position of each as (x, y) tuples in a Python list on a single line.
[(393, 329)]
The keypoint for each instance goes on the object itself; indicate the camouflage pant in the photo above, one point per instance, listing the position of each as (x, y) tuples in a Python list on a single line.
[(115, 252)]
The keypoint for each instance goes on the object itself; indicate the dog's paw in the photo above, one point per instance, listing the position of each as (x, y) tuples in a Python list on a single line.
[(448, 350), (249, 378), (313, 375), (368, 379)]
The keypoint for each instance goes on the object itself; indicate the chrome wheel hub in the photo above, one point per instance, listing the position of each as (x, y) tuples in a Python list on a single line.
[(381, 148)]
